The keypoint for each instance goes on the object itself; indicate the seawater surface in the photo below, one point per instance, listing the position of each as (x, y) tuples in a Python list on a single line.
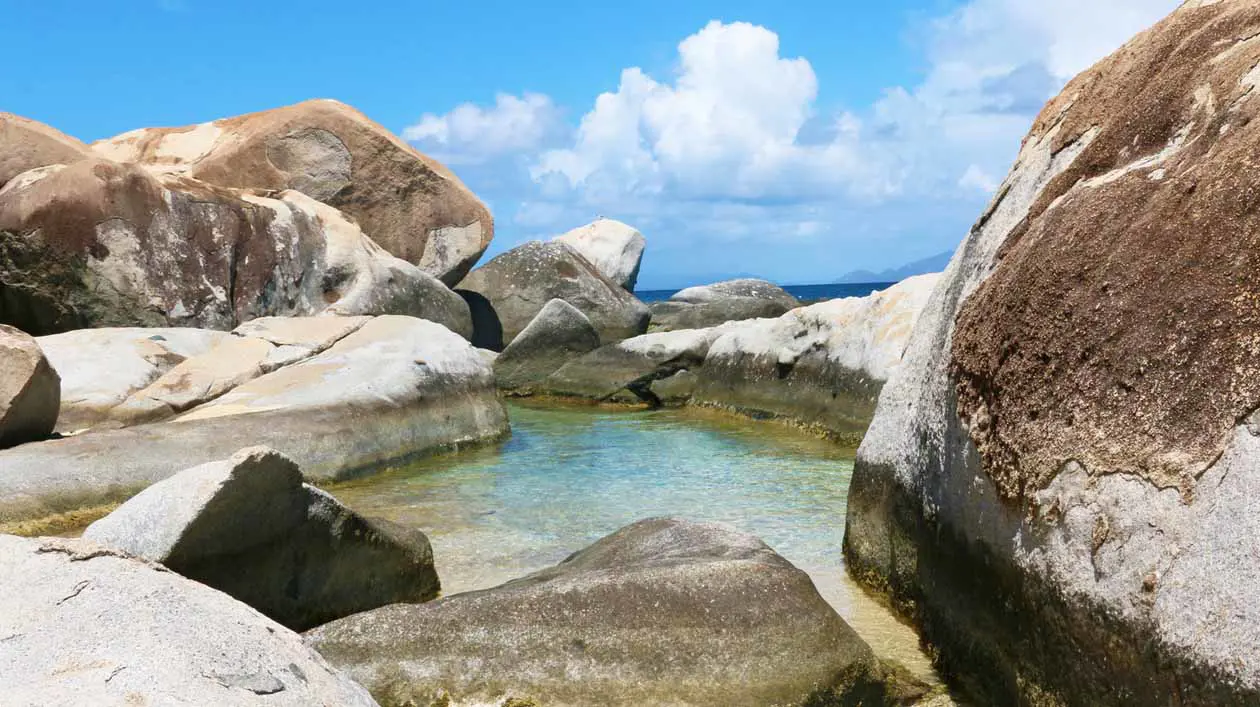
[(569, 476)]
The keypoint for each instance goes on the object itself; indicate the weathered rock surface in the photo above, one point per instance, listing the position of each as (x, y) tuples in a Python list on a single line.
[(26, 144), (633, 365), (394, 388), (411, 205), (100, 368), (99, 243), (249, 527), (614, 248), (1057, 486), (821, 365), (82, 624), (711, 305), (509, 291), (30, 390), (661, 612), (557, 335)]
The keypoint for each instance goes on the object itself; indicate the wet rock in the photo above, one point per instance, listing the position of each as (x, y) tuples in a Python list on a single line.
[(83, 624), (661, 612), (614, 248), (557, 335), (411, 205), (30, 390), (1055, 484), (249, 527), (711, 305), (509, 291)]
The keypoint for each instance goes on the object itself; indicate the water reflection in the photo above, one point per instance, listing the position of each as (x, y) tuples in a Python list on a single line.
[(570, 476)]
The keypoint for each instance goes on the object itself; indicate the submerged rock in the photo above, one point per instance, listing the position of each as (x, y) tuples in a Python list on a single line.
[(510, 290), (249, 527), (711, 305), (661, 612), (83, 624), (394, 388), (557, 335), (30, 390), (411, 205), (614, 248), (1058, 486)]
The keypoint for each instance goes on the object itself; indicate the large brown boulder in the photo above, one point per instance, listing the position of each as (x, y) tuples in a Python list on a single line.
[(99, 243), (26, 144), (30, 390), (1059, 483), (507, 293), (411, 205)]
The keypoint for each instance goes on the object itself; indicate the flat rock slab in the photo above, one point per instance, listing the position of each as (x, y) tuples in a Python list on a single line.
[(661, 612), (84, 625)]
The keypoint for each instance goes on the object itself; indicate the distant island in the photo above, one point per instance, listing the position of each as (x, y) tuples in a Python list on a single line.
[(935, 263)]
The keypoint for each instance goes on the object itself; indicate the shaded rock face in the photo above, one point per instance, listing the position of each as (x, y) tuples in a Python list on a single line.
[(1074, 407), (823, 365), (661, 612), (614, 248), (99, 243), (711, 305), (392, 388), (557, 335), (84, 624), (26, 144), (411, 205), (30, 390), (250, 528), (509, 291)]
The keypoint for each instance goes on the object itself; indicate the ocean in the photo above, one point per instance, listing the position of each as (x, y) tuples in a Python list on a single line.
[(805, 293)]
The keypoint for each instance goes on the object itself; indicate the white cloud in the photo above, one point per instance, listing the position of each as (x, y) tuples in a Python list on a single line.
[(470, 134)]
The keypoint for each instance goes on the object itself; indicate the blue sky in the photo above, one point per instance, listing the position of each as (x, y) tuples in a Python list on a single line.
[(795, 140)]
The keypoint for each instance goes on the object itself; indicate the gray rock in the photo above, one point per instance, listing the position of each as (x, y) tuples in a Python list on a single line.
[(509, 291), (30, 390), (85, 625), (614, 248), (557, 335), (395, 388), (249, 527), (711, 305), (661, 612), (677, 389)]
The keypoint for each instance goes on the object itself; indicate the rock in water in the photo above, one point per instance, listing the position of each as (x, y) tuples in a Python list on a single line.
[(85, 625), (26, 145), (614, 248), (510, 290), (411, 205), (557, 335), (249, 527), (661, 612), (30, 390), (1059, 483), (99, 243), (729, 301)]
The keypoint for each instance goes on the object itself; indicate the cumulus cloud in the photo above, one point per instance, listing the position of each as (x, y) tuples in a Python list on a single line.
[(470, 134)]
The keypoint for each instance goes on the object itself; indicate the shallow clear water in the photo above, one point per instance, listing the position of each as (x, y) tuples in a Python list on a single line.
[(567, 477)]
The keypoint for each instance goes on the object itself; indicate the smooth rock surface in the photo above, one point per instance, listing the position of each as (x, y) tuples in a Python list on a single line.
[(557, 335), (821, 365), (100, 244), (396, 387), (85, 625), (26, 144), (411, 205), (710, 305), (661, 612), (30, 390), (250, 528), (1056, 484), (510, 290), (614, 248)]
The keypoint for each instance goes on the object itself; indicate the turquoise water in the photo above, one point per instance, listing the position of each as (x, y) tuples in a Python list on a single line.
[(567, 477)]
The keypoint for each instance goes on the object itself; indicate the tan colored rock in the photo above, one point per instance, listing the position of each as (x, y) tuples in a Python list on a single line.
[(614, 248), (411, 205), (26, 144), (30, 390)]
